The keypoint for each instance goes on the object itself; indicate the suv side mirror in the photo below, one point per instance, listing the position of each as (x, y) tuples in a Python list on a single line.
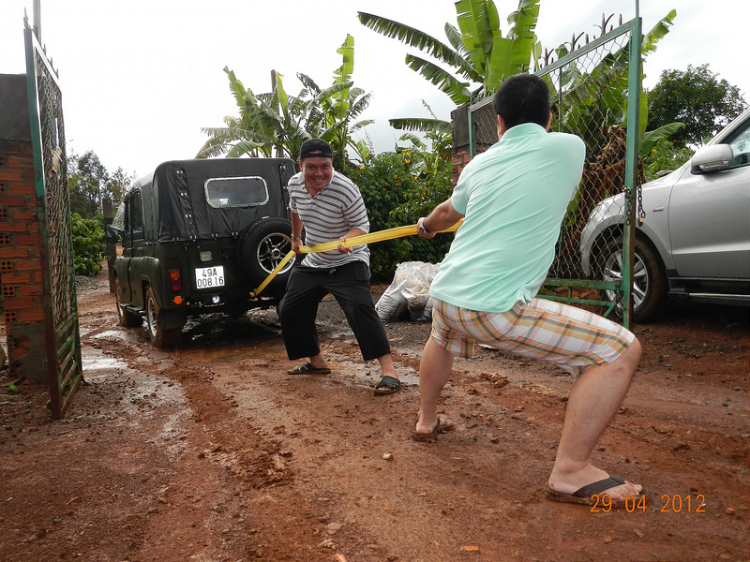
[(712, 158)]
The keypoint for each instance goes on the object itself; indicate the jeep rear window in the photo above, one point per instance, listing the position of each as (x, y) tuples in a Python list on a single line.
[(236, 192)]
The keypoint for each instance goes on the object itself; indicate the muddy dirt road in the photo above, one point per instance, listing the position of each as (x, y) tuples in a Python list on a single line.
[(212, 453)]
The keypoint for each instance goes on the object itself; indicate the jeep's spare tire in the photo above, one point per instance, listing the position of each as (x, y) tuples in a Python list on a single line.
[(261, 247)]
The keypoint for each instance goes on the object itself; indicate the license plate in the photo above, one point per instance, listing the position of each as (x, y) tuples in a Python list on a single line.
[(209, 277)]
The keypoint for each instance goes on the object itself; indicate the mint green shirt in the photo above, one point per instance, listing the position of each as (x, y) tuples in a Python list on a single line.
[(514, 198)]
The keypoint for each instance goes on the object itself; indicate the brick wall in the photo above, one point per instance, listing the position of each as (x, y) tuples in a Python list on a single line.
[(20, 262), (460, 159), (485, 134)]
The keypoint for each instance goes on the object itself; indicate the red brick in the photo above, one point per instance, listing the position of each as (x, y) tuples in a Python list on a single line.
[(11, 175), (13, 148), (31, 290), (29, 265), (19, 304), (14, 201), (28, 240), (14, 253), (32, 316), (16, 278), (21, 187), (19, 162), (14, 227), (24, 214)]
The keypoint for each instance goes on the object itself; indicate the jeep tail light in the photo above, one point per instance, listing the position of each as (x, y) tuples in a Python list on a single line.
[(175, 281)]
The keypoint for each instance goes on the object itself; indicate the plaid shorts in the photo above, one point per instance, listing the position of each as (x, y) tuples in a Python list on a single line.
[(542, 329)]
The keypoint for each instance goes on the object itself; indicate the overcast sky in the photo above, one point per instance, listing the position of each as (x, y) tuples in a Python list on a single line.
[(141, 78)]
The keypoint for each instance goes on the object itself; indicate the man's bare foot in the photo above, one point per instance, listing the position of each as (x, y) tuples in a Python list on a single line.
[(425, 424), (430, 435), (570, 483)]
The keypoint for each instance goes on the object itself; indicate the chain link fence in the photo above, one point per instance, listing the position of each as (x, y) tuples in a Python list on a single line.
[(596, 93)]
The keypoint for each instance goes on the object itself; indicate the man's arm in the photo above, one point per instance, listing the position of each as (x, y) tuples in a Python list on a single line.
[(442, 217), (296, 232), (351, 234)]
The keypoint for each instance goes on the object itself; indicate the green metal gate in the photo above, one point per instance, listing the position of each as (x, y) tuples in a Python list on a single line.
[(51, 183), (597, 95)]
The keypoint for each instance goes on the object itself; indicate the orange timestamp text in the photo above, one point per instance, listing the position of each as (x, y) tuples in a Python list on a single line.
[(668, 504)]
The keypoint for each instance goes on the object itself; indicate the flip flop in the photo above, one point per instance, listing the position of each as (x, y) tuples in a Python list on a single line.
[(431, 437), (309, 369), (584, 495), (387, 385)]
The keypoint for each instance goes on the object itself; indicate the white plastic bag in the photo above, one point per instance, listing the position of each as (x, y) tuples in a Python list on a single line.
[(392, 303), (410, 291)]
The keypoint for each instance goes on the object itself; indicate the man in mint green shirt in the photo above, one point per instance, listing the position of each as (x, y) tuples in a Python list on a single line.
[(512, 200), (497, 259)]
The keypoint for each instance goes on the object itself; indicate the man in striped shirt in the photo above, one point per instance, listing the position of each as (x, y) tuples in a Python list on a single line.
[(330, 207)]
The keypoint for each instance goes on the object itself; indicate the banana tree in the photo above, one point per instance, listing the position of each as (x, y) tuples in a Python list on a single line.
[(276, 124), (593, 104), (600, 95), (477, 52), (322, 122), (341, 105), (333, 111), (269, 124), (438, 132)]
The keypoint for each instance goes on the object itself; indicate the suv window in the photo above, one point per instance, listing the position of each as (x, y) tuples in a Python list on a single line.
[(247, 191), (740, 144), (136, 216)]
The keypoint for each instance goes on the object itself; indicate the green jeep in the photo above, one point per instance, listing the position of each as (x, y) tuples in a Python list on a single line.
[(198, 237)]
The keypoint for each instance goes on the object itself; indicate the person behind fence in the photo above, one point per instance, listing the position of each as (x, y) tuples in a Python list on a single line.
[(512, 200), (329, 206)]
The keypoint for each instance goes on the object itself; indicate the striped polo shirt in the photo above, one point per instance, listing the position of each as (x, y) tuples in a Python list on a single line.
[(334, 211)]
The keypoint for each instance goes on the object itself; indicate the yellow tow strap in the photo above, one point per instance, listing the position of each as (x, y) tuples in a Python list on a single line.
[(379, 236)]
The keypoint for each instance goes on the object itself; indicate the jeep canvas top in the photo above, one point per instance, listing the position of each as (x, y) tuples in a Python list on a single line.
[(198, 236)]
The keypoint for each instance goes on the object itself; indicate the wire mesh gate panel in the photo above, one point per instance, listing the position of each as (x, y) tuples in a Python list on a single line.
[(597, 92), (51, 183)]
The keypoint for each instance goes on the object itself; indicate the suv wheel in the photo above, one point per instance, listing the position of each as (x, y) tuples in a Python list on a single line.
[(649, 279), (126, 318), (262, 246), (159, 336)]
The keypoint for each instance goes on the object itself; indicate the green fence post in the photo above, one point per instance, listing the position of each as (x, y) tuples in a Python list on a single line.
[(470, 125), (631, 170)]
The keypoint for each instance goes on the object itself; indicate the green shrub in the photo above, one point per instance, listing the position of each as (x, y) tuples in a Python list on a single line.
[(398, 188), (664, 158), (89, 246)]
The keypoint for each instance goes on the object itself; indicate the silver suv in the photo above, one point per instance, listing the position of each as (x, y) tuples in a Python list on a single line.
[(695, 240)]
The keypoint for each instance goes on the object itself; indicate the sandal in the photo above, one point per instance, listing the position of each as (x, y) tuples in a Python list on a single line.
[(309, 369), (431, 437), (387, 385), (585, 495)]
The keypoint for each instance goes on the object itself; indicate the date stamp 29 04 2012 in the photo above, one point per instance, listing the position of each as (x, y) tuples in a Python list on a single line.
[(667, 504)]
